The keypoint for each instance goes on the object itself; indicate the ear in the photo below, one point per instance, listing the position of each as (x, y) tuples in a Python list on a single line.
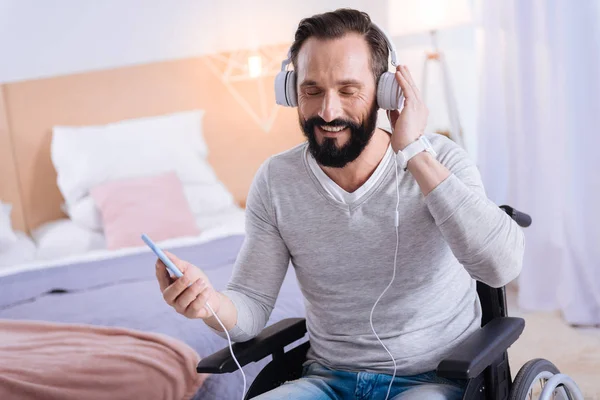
[(393, 117)]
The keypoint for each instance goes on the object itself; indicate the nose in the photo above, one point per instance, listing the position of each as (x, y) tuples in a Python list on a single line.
[(331, 107)]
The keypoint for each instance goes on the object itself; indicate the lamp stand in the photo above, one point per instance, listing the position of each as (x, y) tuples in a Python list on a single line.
[(456, 133)]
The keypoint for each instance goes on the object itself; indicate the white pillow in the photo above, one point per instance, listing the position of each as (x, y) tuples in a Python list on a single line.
[(21, 251), (7, 235), (62, 238), (87, 156), (85, 214)]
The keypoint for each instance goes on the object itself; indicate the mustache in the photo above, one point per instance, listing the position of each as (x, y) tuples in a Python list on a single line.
[(318, 121)]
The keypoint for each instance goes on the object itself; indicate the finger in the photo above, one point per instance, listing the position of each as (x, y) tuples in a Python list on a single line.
[(190, 294), (173, 291), (179, 263), (197, 308), (164, 280), (407, 75), (407, 89)]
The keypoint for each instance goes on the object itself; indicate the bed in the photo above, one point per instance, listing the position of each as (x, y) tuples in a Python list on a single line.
[(122, 290), (56, 145)]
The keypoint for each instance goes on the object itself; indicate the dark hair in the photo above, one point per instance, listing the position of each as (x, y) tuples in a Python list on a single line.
[(335, 24)]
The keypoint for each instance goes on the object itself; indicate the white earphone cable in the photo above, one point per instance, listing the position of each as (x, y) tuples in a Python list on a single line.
[(230, 348), (372, 310), (396, 223)]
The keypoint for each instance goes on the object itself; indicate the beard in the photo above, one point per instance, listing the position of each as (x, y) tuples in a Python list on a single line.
[(328, 153)]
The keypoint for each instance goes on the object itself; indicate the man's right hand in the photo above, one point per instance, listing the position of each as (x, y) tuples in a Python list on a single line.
[(190, 293)]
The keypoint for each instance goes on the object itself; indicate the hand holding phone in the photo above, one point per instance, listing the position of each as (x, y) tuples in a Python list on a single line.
[(163, 257), (184, 286), (187, 295)]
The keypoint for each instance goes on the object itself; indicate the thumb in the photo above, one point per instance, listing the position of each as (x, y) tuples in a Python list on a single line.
[(179, 263)]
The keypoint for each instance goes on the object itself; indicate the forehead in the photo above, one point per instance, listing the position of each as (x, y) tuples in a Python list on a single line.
[(347, 57)]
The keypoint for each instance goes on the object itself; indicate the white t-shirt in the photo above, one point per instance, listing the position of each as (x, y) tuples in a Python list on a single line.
[(339, 194)]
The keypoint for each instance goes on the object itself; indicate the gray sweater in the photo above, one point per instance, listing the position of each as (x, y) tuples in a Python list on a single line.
[(343, 257)]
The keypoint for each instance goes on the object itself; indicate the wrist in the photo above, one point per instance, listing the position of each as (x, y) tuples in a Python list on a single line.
[(225, 310), (402, 143), (422, 159), (413, 150), (217, 299)]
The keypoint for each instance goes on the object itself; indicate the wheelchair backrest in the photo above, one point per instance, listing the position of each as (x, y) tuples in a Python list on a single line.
[(493, 302)]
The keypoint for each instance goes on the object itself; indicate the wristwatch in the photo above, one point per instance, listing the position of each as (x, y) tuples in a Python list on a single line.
[(418, 146)]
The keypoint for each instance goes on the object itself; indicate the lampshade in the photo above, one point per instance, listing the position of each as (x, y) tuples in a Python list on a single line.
[(254, 66), (406, 17)]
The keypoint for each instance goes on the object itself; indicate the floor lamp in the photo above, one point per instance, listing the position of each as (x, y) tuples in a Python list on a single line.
[(436, 56), (410, 17)]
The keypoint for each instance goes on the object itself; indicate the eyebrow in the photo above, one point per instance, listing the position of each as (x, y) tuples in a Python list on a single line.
[(344, 82)]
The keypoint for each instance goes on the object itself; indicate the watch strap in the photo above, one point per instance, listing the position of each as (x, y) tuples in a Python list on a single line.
[(418, 146)]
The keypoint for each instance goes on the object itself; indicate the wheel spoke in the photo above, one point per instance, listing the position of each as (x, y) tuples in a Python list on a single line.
[(533, 377)]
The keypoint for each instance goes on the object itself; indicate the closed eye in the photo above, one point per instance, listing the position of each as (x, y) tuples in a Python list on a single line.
[(312, 92), (349, 90)]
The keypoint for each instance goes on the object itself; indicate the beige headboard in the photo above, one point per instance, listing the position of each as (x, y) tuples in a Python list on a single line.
[(9, 181), (29, 110)]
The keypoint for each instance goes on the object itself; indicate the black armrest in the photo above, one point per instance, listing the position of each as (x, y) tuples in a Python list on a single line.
[(481, 349), (271, 340)]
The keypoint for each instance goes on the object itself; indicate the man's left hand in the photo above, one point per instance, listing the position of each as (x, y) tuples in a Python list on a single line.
[(409, 124)]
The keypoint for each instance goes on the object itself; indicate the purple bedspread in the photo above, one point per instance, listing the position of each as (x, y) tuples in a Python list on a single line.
[(124, 292)]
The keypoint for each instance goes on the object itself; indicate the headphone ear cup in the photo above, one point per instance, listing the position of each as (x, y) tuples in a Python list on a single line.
[(389, 94), (285, 89)]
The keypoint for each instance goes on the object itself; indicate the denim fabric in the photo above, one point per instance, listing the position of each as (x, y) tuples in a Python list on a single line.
[(322, 383)]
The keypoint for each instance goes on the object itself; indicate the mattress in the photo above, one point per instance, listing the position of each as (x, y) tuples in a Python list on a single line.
[(122, 291)]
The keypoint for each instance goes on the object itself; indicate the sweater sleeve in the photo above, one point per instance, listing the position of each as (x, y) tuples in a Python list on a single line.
[(261, 264), (484, 239)]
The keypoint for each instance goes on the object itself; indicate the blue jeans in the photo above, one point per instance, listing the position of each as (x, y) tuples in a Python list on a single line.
[(322, 383)]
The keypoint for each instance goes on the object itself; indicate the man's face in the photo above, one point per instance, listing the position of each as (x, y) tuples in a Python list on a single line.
[(337, 105)]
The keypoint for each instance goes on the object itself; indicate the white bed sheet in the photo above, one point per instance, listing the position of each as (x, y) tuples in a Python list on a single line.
[(226, 223)]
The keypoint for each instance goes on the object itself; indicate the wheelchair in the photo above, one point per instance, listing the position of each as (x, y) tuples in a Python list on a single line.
[(481, 360)]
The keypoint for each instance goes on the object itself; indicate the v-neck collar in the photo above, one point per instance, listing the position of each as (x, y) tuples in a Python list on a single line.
[(334, 193)]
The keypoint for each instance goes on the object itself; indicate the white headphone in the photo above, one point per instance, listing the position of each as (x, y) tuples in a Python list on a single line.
[(389, 94)]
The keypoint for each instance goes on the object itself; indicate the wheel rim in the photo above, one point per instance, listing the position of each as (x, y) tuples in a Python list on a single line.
[(538, 383)]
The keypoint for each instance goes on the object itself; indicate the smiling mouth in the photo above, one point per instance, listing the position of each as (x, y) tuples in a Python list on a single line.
[(330, 131)]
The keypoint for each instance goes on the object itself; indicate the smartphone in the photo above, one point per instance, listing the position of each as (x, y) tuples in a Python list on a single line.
[(163, 257)]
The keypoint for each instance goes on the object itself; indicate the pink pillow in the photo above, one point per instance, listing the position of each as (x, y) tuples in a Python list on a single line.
[(155, 205)]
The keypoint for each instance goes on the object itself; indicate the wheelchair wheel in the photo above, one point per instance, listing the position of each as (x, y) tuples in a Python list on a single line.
[(531, 378)]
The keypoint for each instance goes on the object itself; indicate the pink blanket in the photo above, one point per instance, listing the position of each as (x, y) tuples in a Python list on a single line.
[(42, 360)]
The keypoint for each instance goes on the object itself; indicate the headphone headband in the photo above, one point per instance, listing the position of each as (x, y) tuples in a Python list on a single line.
[(390, 44), (389, 94), (288, 60)]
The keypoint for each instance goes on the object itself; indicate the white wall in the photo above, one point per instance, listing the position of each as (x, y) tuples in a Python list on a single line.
[(460, 50), (57, 37)]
